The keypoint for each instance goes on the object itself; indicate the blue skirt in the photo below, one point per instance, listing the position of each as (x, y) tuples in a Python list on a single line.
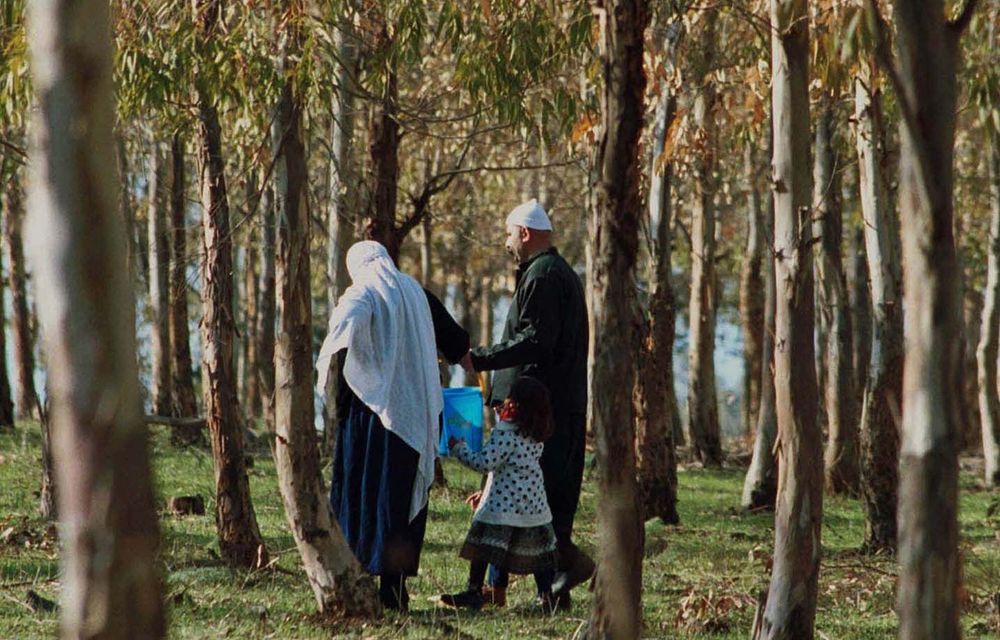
[(370, 493)]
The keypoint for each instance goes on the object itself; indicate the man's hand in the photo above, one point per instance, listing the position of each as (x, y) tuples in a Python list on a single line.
[(466, 362), (474, 499)]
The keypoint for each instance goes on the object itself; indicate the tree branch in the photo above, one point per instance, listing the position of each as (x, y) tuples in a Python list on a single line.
[(884, 55)]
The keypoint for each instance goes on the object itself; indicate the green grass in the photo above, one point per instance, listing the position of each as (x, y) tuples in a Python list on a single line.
[(699, 578)]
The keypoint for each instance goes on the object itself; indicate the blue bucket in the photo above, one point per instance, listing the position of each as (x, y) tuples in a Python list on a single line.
[(462, 418)]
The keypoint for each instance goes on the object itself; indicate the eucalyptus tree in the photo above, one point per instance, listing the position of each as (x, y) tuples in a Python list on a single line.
[(883, 390), (614, 234), (239, 536), (924, 75), (655, 402), (790, 608), (23, 336), (336, 577), (159, 278), (703, 406), (109, 537)]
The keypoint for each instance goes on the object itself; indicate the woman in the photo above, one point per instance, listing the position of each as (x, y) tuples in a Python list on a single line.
[(386, 331)]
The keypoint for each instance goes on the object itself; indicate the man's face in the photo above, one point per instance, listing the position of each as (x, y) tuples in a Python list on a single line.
[(515, 241)]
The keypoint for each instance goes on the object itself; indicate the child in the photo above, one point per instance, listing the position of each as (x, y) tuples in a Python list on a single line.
[(512, 527)]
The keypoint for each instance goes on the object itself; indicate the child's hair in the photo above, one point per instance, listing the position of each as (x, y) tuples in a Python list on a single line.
[(528, 404)]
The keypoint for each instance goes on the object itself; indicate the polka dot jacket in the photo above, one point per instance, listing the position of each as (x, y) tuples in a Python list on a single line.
[(515, 493)]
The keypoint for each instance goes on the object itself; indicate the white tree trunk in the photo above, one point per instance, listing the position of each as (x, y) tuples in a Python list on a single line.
[(111, 586), (986, 354)]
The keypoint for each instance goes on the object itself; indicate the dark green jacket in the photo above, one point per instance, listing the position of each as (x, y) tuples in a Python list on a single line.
[(545, 336)]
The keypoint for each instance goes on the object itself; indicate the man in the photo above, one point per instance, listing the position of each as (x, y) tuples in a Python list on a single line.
[(545, 337)]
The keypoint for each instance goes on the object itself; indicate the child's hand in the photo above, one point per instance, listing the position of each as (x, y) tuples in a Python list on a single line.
[(453, 441), (473, 499)]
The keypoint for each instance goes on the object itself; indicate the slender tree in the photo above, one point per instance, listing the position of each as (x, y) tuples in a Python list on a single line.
[(182, 386), (883, 392), (239, 537), (655, 406), (861, 312), (790, 609), (159, 280), (26, 403), (760, 486), (925, 79), (338, 581), (6, 404), (614, 237), (989, 403), (703, 407), (841, 456), (752, 296), (251, 293), (111, 586)]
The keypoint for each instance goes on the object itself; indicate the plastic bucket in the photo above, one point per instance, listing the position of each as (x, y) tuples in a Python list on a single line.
[(462, 418)]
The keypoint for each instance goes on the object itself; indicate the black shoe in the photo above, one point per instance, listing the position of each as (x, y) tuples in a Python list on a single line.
[(466, 600), (549, 603), (581, 571)]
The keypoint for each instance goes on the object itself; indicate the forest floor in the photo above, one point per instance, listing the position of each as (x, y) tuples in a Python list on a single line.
[(700, 578)]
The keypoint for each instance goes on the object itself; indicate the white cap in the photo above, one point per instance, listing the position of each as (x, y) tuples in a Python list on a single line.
[(530, 215)]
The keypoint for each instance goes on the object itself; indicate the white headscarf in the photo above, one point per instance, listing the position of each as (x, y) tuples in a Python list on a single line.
[(384, 322)]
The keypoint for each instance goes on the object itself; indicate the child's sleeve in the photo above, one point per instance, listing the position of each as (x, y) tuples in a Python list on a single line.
[(498, 448)]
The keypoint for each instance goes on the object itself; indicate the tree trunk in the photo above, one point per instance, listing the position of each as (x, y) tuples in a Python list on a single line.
[(761, 483), (340, 220), (6, 404), (703, 408), (24, 344), (184, 404), (614, 321), (657, 476), (928, 588), (841, 457), (337, 580), (239, 538), (426, 253), (251, 286), (883, 391), (485, 334), (986, 355), (111, 586), (791, 600), (383, 156), (266, 309), (159, 281), (861, 313), (752, 298)]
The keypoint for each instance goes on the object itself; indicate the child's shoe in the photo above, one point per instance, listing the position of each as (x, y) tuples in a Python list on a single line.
[(470, 599)]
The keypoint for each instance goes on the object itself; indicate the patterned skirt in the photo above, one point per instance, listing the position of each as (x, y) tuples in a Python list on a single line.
[(511, 549)]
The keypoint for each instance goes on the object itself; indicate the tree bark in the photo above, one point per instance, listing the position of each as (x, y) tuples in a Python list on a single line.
[(883, 392), (752, 297), (760, 486), (614, 321), (7, 183), (26, 403), (703, 407), (338, 582), (791, 600), (340, 220), (239, 537), (159, 281), (251, 286), (986, 353), (266, 308), (182, 387), (841, 456), (655, 409), (861, 313), (928, 588), (111, 586)]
